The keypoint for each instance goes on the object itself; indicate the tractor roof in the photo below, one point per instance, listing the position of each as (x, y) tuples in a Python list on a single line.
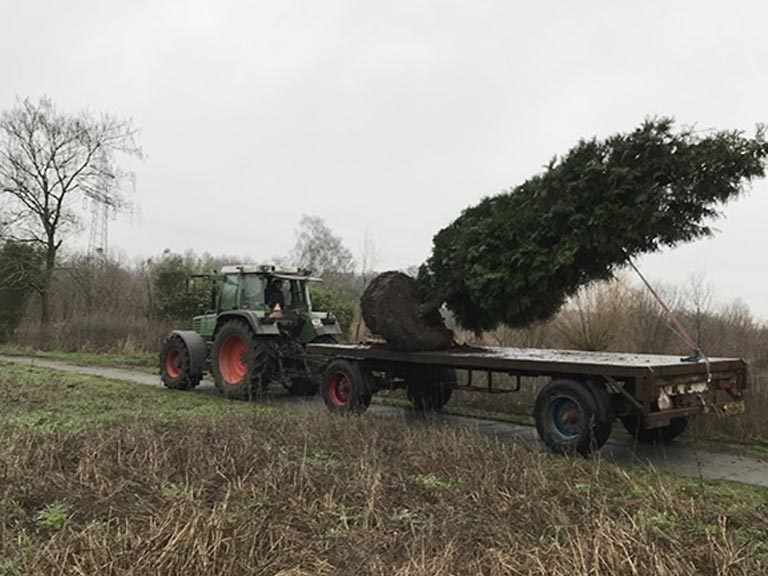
[(270, 270)]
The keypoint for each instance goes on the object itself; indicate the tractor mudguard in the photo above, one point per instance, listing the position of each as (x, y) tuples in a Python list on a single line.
[(197, 350), (259, 328)]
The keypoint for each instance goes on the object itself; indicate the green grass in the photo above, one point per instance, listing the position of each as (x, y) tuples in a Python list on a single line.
[(51, 401), (143, 361)]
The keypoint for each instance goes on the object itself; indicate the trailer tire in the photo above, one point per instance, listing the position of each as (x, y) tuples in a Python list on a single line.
[(243, 364), (176, 366), (309, 386), (635, 425), (568, 418), (605, 416), (345, 388), (430, 389)]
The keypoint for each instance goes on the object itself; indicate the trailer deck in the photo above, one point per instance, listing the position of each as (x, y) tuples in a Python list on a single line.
[(538, 361)]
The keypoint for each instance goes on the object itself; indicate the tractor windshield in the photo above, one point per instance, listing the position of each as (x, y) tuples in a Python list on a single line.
[(252, 291)]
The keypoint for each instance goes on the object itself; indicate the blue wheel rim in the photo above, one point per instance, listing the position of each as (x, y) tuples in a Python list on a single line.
[(566, 418)]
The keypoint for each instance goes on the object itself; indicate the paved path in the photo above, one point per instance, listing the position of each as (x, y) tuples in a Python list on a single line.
[(675, 458)]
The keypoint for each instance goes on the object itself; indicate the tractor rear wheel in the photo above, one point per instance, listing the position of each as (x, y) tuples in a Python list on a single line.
[(429, 389), (175, 365), (243, 364), (345, 388)]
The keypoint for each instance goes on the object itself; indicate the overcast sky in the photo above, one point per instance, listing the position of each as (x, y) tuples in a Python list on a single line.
[(388, 117)]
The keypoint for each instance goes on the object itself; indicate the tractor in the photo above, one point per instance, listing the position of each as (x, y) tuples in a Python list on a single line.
[(253, 332)]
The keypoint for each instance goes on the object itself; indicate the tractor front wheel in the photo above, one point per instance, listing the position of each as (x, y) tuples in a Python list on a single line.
[(175, 365), (243, 364)]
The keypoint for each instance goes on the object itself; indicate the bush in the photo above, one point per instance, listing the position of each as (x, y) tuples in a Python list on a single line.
[(326, 299)]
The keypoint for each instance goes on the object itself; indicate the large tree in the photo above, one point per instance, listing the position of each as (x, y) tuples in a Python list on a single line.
[(515, 258), (49, 158)]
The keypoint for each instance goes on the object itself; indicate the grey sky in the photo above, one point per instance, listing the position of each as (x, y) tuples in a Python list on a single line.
[(389, 116)]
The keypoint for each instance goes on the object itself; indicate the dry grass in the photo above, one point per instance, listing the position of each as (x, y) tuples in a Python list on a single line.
[(208, 487)]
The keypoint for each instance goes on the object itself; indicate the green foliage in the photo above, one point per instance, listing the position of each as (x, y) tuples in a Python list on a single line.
[(515, 258), (20, 275), (54, 515), (171, 298), (325, 299)]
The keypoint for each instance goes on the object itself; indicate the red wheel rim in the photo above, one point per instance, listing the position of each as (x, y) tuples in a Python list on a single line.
[(340, 389), (231, 363), (172, 361)]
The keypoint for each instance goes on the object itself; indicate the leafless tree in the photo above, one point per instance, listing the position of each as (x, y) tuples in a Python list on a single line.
[(369, 258), (319, 249), (699, 296), (47, 160)]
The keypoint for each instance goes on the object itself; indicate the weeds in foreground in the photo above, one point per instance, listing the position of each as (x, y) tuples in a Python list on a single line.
[(250, 490)]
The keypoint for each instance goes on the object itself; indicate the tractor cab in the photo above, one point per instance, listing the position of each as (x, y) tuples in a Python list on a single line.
[(266, 296)]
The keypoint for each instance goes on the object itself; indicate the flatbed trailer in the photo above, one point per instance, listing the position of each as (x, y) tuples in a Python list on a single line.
[(652, 395)]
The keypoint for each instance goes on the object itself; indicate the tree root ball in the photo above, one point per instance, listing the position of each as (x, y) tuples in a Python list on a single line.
[(391, 308)]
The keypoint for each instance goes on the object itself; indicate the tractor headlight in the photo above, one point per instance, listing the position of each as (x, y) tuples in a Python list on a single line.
[(316, 322)]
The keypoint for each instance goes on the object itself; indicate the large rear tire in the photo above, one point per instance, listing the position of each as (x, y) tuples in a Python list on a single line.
[(243, 364), (345, 388), (175, 365), (568, 418), (429, 389), (635, 425)]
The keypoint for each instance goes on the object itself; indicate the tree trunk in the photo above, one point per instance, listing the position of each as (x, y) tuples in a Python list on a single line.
[(45, 291)]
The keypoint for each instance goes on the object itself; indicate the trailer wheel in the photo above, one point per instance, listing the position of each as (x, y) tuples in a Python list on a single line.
[(175, 365), (309, 386), (662, 435), (430, 389), (568, 418), (344, 388), (243, 364)]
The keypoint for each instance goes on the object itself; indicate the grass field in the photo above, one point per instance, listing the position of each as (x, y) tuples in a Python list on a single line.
[(101, 477), (143, 361)]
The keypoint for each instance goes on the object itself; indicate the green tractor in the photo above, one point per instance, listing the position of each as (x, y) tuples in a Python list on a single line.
[(254, 332)]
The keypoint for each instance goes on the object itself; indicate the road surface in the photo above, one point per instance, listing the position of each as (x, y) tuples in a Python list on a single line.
[(676, 458)]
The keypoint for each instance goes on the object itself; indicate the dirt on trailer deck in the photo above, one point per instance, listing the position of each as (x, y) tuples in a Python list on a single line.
[(391, 308)]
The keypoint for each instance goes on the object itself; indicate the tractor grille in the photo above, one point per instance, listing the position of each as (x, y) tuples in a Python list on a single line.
[(197, 324)]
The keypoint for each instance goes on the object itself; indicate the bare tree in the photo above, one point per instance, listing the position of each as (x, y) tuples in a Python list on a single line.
[(699, 296), (591, 319), (369, 259), (47, 160), (319, 249)]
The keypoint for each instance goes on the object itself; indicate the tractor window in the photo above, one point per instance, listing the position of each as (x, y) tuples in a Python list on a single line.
[(228, 298), (296, 298), (252, 292)]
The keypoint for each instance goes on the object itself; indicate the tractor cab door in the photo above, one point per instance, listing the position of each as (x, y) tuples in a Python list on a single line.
[(252, 292)]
